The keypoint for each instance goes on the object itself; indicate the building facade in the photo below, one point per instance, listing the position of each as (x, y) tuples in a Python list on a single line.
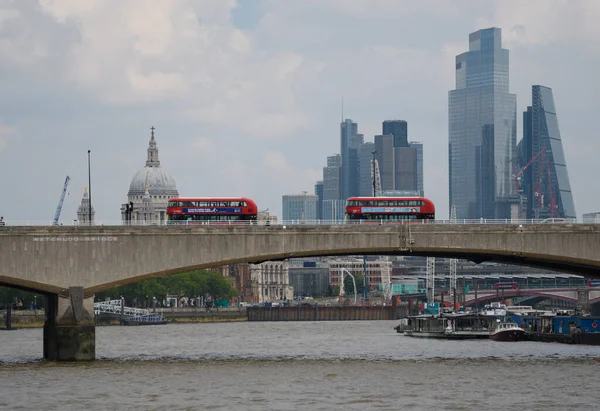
[(405, 168), (384, 147), (365, 161), (378, 272), (591, 218), (398, 129), (270, 282), (418, 146), (309, 278), (149, 191), (83, 211), (319, 194), (482, 130), (545, 185), (300, 207), (333, 206), (350, 145)]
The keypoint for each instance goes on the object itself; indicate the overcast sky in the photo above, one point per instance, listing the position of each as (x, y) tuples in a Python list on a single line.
[(245, 95)]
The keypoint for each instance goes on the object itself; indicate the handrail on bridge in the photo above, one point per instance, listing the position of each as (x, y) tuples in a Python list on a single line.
[(481, 221)]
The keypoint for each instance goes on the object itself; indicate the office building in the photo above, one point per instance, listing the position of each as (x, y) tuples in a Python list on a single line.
[(300, 207), (482, 130), (544, 177), (592, 218), (384, 147), (420, 177), (319, 194), (333, 205), (350, 145), (405, 167), (398, 129), (365, 168)]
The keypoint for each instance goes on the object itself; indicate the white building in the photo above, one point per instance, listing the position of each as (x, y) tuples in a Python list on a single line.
[(591, 218), (83, 211), (149, 191), (270, 282)]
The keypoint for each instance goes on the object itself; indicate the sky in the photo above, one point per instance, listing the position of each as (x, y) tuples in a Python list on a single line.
[(246, 95)]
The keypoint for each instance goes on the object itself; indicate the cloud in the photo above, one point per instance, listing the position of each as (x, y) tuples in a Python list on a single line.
[(256, 112)]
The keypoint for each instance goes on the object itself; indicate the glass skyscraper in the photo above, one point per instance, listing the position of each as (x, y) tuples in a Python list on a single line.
[(419, 147), (482, 130), (300, 207), (398, 129), (350, 144), (365, 165), (545, 184)]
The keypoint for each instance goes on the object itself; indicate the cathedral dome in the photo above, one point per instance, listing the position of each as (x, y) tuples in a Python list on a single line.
[(158, 180)]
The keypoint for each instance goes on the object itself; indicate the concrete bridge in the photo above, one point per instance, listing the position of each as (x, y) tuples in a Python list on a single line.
[(71, 264), (581, 295)]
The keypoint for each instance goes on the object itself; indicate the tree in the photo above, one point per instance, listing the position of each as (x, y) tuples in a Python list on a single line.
[(349, 285)]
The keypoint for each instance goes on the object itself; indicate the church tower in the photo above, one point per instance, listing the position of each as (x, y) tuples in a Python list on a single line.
[(83, 211)]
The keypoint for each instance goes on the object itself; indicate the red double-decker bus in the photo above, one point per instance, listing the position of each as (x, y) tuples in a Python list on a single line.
[(211, 209), (389, 208), (505, 286)]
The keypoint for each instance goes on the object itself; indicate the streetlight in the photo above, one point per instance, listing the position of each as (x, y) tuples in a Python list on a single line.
[(90, 185)]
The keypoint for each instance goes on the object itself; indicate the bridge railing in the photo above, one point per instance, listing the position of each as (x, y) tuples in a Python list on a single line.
[(113, 223)]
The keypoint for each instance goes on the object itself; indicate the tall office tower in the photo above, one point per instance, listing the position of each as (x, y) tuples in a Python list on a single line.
[(319, 194), (398, 129), (350, 144), (300, 207), (405, 161), (419, 147), (384, 145), (365, 159), (333, 206), (545, 184), (482, 130)]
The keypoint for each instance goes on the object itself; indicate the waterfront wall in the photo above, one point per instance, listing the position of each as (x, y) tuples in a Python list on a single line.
[(320, 313)]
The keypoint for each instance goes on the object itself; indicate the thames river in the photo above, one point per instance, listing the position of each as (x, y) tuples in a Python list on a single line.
[(362, 365)]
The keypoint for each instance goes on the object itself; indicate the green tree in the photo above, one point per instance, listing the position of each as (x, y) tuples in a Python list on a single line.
[(349, 285)]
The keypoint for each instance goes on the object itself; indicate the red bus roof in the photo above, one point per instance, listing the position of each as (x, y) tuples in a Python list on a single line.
[(247, 200), (389, 198)]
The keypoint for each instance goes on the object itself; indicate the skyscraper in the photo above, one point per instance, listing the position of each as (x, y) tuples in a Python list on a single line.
[(398, 129), (365, 157), (384, 145), (482, 130), (301, 207), (333, 206), (350, 144), (405, 166), (419, 147), (319, 194), (543, 167)]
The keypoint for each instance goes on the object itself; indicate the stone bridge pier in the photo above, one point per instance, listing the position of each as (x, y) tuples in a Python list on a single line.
[(69, 330)]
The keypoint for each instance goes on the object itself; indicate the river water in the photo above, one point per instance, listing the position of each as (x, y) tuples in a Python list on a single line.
[(353, 365)]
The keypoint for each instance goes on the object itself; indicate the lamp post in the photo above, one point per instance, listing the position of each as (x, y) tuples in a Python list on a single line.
[(90, 186)]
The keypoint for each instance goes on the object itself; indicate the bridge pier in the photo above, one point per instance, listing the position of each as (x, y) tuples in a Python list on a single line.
[(69, 330)]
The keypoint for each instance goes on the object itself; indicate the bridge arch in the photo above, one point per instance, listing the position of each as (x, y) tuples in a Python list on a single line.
[(52, 259)]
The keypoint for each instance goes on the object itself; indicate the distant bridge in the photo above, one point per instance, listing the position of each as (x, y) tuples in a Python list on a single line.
[(582, 295)]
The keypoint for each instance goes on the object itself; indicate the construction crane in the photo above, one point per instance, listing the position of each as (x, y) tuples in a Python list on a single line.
[(62, 199), (375, 176)]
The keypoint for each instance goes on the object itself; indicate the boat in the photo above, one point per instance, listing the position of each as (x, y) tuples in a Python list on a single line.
[(147, 319), (506, 331), (448, 326)]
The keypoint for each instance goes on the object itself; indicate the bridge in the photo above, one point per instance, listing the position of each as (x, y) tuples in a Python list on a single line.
[(582, 295), (71, 264)]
